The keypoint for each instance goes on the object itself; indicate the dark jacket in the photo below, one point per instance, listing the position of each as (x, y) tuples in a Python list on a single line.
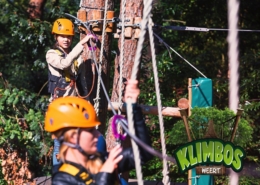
[(126, 164)]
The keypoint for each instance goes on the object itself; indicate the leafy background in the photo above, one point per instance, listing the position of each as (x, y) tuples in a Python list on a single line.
[(24, 97)]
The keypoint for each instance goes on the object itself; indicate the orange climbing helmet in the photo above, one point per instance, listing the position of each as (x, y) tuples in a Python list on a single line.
[(63, 26), (70, 111)]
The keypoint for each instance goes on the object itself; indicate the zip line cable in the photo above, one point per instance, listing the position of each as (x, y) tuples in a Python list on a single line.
[(160, 40), (188, 28)]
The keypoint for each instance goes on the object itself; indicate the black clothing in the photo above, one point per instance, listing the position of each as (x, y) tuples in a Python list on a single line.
[(126, 164)]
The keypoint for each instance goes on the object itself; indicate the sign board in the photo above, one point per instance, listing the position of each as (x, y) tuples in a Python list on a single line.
[(210, 170), (209, 151)]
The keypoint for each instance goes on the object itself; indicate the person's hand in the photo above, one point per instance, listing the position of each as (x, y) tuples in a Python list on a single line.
[(111, 163), (132, 91), (87, 38)]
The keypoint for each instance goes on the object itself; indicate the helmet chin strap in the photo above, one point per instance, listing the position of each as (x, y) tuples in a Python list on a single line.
[(77, 146)]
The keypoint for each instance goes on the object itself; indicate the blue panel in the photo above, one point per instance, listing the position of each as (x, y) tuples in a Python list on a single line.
[(202, 96), (202, 92), (202, 179)]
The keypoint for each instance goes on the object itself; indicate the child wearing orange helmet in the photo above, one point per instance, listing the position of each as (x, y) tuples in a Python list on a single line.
[(66, 75), (73, 121), (66, 68)]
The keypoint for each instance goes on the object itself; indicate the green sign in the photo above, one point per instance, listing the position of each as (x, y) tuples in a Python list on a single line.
[(209, 152)]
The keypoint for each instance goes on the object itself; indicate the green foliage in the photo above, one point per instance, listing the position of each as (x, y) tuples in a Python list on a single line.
[(207, 52), (22, 126), (245, 180), (223, 125), (24, 42)]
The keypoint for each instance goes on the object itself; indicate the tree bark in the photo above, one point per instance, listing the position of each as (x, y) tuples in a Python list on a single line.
[(35, 8), (90, 6), (134, 8)]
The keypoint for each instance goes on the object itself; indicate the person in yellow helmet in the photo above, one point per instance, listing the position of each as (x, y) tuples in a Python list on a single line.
[(66, 75), (73, 121), (66, 67)]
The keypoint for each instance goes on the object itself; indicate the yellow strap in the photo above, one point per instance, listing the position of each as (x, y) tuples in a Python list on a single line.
[(72, 170), (67, 75), (76, 65), (59, 52)]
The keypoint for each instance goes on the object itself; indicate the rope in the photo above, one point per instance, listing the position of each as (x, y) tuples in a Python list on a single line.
[(233, 53), (166, 179), (80, 4), (123, 122), (233, 9), (96, 100), (146, 14), (121, 61), (122, 52)]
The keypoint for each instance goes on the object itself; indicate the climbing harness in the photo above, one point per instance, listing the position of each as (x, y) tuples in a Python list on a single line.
[(65, 84), (76, 172)]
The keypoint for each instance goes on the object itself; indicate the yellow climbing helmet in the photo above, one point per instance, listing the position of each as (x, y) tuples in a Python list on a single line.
[(70, 111), (63, 26)]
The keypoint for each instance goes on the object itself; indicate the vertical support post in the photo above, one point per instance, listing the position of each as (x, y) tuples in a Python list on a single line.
[(184, 117), (189, 113), (239, 113), (93, 9), (189, 94)]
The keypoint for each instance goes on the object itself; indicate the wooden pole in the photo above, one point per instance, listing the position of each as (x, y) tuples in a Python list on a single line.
[(239, 113), (94, 9), (184, 116), (189, 113), (133, 8), (190, 94), (166, 111)]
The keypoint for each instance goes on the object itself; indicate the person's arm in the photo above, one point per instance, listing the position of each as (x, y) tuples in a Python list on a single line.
[(124, 159), (141, 131), (54, 59)]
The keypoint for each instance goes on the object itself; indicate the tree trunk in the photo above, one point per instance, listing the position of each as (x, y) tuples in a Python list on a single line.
[(91, 7), (134, 8), (35, 8)]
